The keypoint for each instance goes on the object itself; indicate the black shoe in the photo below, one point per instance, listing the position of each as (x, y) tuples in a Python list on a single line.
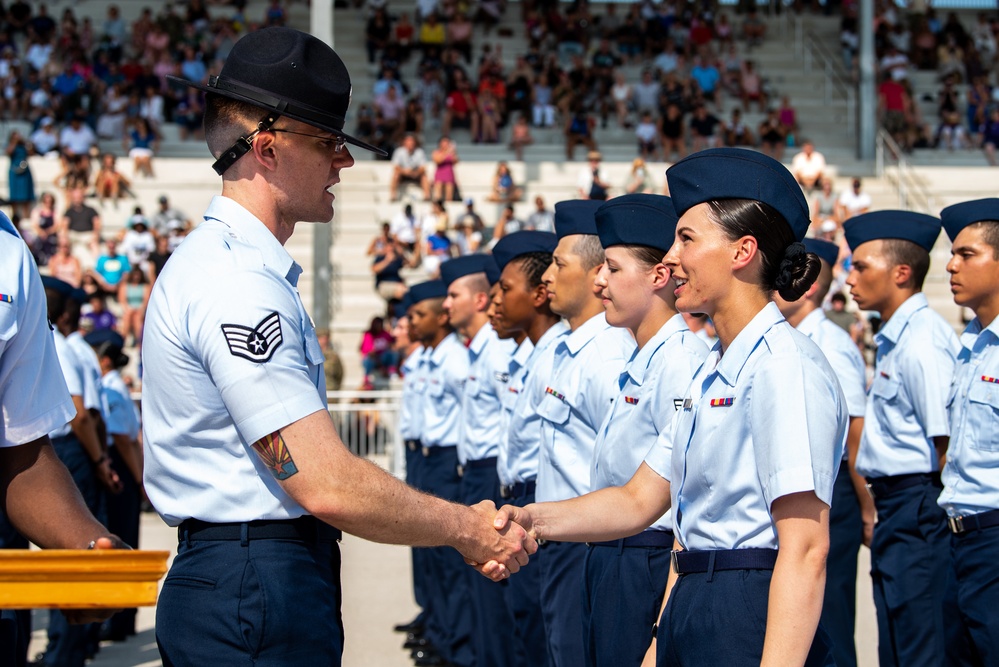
[(416, 642), (413, 626)]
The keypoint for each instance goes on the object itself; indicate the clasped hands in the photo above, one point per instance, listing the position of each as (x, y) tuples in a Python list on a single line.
[(507, 547)]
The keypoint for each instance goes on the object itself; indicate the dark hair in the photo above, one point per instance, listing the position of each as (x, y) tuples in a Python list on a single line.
[(226, 120), (838, 296), (56, 303), (646, 255), (533, 265), (787, 268), (900, 252), (990, 233)]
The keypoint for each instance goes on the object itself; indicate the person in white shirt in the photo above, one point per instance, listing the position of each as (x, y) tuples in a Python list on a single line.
[(808, 166), (852, 202), (409, 164)]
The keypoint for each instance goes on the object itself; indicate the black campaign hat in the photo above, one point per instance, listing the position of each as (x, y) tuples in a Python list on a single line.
[(637, 219), (514, 245), (459, 267), (957, 217), (917, 228), (290, 73), (828, 252)]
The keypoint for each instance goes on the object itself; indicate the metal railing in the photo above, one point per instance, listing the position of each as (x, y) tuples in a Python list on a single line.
[(815, 56), (891, 165), (368, 424)]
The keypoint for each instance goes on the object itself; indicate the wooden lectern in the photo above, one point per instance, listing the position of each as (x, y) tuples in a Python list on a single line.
[(80, 579)]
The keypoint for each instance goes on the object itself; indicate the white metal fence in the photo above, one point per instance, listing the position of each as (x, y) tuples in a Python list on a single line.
[(368, 424)]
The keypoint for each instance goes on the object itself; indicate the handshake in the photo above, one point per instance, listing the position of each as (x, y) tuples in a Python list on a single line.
[(503, 543)]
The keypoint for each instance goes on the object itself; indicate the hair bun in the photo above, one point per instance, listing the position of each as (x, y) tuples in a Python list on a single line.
[(797, 271)]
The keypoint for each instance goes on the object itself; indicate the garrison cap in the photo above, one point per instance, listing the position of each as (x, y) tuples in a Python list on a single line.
[(105, 336), (738, 173), (514, 245), (637, 219), (957, 217), (827, 252), (459, 267), (575, 216), (432, 289), (59, 286), (917, 228), (80, 295)]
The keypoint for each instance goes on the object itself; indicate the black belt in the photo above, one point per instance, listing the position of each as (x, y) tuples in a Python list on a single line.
[(517, 489), (967, 524), (648, 538), (882, 487), (475, 464), (434, 451), (412, 445), (304, 528), (690, 562)]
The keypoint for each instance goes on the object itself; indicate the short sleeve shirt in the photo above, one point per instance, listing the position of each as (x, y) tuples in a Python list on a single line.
[(409, 160), (33, 392), (73, 372), (481, 409), (122, 418), (229, 356), (446, 372), (907, 401), (764, 420), (413, 384)]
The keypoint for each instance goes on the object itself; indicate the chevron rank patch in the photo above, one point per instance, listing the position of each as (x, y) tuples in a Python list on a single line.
[(256, 344)]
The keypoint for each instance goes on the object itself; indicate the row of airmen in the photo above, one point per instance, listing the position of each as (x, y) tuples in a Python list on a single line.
[(554, 367)]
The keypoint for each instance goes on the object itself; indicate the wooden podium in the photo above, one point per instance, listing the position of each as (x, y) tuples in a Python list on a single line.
[(80, 579)]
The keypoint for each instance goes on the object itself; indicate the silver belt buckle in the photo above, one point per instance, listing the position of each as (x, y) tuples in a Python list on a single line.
[(506, 491), (426, 452), (672, 561), (956, 524), (461, 470)]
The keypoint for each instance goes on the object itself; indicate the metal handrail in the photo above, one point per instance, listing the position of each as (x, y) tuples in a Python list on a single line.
[(809, 47), (912, 194)]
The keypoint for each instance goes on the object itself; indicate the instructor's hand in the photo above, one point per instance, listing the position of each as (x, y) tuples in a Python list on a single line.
[(504, 549)]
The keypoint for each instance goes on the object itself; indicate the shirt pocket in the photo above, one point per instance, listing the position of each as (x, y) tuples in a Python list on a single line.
[(885, 392), (554, 409), (435, 387), (473, 385), (8, 321), (983, 416)]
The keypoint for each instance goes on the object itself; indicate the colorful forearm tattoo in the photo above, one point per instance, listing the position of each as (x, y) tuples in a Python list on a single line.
[(274, 453)]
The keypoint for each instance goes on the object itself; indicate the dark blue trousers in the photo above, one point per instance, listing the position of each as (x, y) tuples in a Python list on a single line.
[(910, 566), (68, 644), (846, 535), (15, 626), (977, 574), (720, 618), (492, 648), (447, 580), (259, 603), (123, 512), (413, 460), (523, 598), (623, 591), (562, 602)]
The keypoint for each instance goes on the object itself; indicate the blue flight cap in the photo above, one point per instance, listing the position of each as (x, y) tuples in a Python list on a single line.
[(575, 216), (401, 306), (459, 267), (432, 289), (957, 217), (110, 337), (59, 286), (80, 295), (738, 173), (514, 245), (637, 219), (918, 228), (827, 252)]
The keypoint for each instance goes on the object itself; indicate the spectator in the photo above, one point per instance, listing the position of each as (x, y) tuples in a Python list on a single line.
[(638, 179), (437, 245), (333, 365), (788, 119), (64, 265), (19, 178), (579, 130), (459, 35), (114, 104), (83, 227), (824, 204), (44, 232), (772, 136), (76, 140), (461, 109), (950, 133), (111, 267), (409, 165), (382, 241), (504, 190), (893, 109), (520, 137), (404, 33), (432, 35), (895, 64), (138, 242), (541, 102), (508, 223), (110, 183), (390, 107), (388, 262), (471, 216), (591, 183), (737, 133), (646, 93), (412, 117), (98, 317), (167, 218), (950, 60), (542, 219), (702, 129), (647, 135), (469, 239), (852, 202), (753, 29), (377, 33), (808, 166), (430, 94), (445, 157), (275, 14), (405, 228), (621, 94), (141, 143), (844, 319), (490, 112), (672, 132), (376, 350), (751, 87), (990, 136), (707, 77), (45, 139), (158, 258), (133, 297)]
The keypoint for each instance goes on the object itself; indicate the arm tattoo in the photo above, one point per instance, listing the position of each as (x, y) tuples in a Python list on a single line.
[(275, 455)]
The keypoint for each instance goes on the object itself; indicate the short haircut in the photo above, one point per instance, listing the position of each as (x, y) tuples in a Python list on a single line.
[(824, 282), (56, 304), (533, 265), (646, 255), (990, 234), (838, 296), (589, 250), (226, 120), (900, 252)]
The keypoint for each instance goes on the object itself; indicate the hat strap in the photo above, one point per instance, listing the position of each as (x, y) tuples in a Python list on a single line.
[(244, 143)]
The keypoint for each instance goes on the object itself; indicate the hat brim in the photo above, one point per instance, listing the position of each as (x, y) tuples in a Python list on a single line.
[(354, 141)]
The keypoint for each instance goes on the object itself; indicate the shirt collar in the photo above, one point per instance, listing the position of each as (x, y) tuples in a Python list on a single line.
[(438, 353), (480, 339), (892, 330), (640, 360), (973, 332), (251, 229), (522, 353), (812, 321), (578, 339), (553, 332), (735, 357)]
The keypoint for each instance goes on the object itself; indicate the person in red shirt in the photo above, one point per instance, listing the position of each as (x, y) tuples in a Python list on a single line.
[(893, 108), (461, 109)]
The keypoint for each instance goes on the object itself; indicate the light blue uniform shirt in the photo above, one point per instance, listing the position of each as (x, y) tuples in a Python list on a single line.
[(411, 406), (971, 475), (524, 428), (844, 357), (122, 418), (33, 392), (652, 389), (510, 390), (577, 398), (73, 372), (481, 409), (446, 371), (229, 356), (907, 405), (93, 395), (764, 420)]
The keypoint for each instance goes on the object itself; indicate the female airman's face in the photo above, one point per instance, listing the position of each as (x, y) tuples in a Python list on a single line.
[(700, 261)]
